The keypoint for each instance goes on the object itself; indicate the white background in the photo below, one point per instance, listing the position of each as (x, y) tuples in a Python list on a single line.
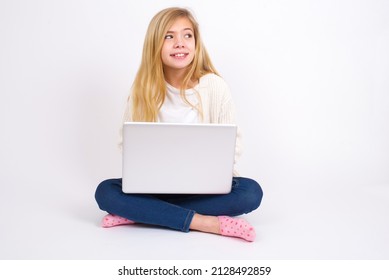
[(310, 81)]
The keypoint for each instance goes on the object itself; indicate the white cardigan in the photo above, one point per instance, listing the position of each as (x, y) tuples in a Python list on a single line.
[(217, 106)]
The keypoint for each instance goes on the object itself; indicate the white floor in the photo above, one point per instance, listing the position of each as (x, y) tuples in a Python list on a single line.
[(45, 220)]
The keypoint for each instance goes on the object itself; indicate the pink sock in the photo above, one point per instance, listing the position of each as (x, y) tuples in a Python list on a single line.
[(111, 220), (236, 228)]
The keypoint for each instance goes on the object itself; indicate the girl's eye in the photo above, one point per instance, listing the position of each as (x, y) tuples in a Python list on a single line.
[(169, 36), (188, 35)]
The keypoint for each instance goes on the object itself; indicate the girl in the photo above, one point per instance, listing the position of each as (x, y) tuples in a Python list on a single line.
[(176, 82)]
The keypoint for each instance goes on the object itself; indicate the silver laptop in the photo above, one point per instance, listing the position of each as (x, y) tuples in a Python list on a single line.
[(178, 158)]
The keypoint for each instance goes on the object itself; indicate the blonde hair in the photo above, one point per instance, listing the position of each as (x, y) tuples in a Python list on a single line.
[(149, 87)]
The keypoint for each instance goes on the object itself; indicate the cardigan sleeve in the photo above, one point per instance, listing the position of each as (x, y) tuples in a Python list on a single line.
[(126, 118), (227, 115), (127, 111), (222, 110)]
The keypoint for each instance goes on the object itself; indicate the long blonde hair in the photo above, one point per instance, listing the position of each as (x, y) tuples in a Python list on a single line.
[(149, 87)]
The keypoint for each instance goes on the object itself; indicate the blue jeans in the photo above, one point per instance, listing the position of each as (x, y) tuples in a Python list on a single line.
[(176, 210)]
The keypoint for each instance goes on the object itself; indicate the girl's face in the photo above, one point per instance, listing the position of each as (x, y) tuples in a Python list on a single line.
[(178, 49)]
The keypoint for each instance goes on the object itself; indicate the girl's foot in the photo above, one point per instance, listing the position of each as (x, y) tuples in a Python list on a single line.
[(111, 220), (223, 225), (236, 228)]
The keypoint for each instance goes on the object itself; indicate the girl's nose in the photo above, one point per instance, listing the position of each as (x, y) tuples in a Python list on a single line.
[(178, 43)]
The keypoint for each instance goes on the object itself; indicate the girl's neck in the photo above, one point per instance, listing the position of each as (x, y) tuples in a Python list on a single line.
[(176, 78)]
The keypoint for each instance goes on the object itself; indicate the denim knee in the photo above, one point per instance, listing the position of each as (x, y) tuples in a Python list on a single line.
[(104, 192), (251, 194)]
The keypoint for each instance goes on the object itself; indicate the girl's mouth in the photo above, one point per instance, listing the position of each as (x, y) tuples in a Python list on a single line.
[(179, 55)]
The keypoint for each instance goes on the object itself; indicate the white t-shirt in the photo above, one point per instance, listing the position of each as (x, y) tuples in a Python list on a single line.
[(176, 110)]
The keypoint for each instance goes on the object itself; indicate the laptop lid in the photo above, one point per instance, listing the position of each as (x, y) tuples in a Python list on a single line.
[(178, 158)]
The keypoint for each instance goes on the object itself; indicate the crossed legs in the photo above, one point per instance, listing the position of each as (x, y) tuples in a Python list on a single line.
[(206, 213)]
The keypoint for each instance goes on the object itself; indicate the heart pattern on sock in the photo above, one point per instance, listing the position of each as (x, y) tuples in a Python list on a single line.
[(235, 227), (111, 220)]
